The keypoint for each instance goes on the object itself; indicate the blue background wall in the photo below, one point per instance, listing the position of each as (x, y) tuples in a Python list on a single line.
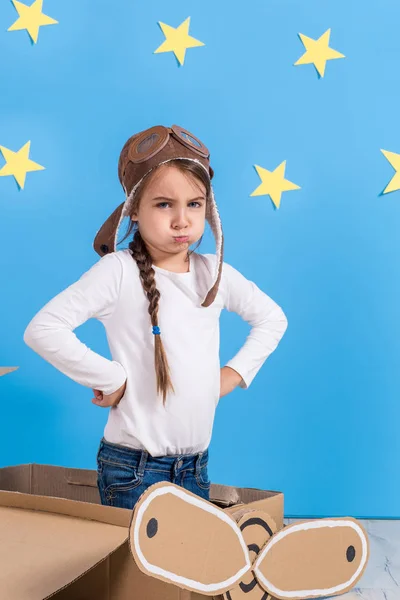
[(321, 419)]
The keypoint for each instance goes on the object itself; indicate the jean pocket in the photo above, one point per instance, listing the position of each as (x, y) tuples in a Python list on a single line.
[(202, 478), (117, 477)]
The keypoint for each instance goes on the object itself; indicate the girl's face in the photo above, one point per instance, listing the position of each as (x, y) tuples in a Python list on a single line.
[(173, 204)]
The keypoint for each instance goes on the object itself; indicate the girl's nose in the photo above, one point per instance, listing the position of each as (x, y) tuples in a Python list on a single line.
[(181, 220)]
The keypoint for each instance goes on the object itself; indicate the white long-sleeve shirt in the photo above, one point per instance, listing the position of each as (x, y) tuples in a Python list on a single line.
[(111, 291)]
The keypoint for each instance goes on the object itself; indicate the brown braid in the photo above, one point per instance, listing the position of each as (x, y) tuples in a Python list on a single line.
[(144, 262), (147, 275)]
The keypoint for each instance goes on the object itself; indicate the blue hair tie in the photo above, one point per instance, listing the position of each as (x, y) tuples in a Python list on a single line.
[(156, 330)]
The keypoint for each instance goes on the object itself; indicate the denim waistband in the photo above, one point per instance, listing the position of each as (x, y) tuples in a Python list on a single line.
[(141, 459)]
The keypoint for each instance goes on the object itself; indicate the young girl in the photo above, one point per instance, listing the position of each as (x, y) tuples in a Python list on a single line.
[(160, 305)]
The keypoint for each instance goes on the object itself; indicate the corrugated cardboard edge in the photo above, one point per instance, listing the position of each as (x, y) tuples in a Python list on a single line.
[(72, 508)]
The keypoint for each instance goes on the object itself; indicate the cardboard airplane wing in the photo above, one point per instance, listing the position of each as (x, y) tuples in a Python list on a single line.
[(5, 370)]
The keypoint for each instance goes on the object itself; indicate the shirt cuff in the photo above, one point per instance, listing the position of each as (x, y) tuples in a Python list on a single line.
[(244, 384), (118, 379)]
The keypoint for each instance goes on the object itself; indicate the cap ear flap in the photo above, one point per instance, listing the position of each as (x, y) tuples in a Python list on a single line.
[(323, 557), (105, 240), (182, 539)]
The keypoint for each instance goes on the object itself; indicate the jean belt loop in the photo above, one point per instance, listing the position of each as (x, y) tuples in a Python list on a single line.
[(100, 448), (198, 463), (142, 463)]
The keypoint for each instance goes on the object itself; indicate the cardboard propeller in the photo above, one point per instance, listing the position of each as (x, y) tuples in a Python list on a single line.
[(257, 528), (182, 539)]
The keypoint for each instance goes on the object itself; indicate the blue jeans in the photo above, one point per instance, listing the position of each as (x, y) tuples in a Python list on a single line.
[(123, 474)]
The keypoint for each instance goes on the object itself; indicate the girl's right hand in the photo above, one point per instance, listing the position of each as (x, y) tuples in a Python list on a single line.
[(230, 379), (107, 400)]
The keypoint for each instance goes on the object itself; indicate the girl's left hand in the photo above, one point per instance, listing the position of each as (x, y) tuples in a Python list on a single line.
[(106, 401), (230, 379)]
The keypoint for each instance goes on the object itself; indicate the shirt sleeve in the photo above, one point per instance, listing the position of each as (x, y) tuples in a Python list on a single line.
[(50, 332), (267, 320)]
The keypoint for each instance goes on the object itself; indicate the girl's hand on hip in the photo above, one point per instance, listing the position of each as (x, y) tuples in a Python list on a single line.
[(107, 400), (230, 379)]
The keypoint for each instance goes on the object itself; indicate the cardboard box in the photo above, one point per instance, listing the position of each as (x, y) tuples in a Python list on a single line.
[(57, 541)]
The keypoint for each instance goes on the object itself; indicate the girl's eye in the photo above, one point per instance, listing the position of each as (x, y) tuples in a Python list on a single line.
[(161, 204)]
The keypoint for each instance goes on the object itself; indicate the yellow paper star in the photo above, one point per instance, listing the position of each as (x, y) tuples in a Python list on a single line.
[(273, 183), (318, 52), (5, 370), (394, 183), (31, 18), (18, 164), (177, 40)]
